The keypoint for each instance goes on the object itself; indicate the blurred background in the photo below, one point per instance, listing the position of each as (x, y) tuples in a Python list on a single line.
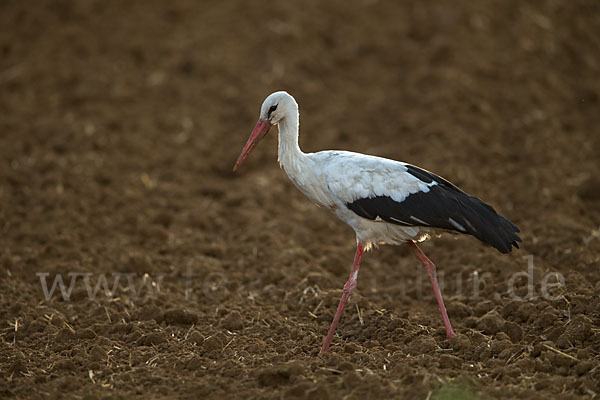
[(120, 123)]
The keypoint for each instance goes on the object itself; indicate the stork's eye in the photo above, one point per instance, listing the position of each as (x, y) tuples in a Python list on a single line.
[(271, 110)]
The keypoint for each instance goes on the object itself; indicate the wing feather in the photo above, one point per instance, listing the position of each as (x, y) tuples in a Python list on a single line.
[(403, 194)]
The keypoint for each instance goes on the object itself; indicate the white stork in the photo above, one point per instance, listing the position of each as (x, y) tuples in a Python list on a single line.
[(384, 201)]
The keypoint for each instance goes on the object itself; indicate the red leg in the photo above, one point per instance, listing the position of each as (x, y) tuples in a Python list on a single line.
[(348, 288), (430, 268)]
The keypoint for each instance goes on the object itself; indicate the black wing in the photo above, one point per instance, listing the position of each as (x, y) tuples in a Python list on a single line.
[(444, 206)]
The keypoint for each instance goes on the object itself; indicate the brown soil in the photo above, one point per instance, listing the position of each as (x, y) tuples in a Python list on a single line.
[(120, 123)]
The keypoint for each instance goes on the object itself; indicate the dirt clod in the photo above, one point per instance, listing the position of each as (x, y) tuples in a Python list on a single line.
[(233, 321), (180, 317), (460, 342), (196, 338), (152, 339), (484, 307), (86, 334), (212, 343), (150, 312), (514, 331), (578, 330), (97, 353), (351, 348), (449, 361), (280, 374), (18, 367), (423, 345), (64, 365), (458, 309), (491, 323)]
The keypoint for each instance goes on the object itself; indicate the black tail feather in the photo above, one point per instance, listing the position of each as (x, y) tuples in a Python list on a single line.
[(487, 225), (446, 207)]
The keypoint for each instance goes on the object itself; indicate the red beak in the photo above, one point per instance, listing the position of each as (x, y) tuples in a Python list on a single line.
[(259, 132)]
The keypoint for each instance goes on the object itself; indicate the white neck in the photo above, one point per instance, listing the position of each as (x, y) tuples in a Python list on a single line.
[(289, 155), (299, 167)]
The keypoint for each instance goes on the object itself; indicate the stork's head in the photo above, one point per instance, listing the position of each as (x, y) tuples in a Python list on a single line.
[(274, 109)]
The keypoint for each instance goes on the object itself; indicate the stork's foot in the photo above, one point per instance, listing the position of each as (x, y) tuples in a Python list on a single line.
[(348, 289), (430, 268)]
